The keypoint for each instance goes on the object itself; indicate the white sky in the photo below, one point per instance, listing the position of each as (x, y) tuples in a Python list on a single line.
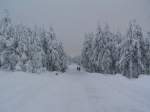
[(71, 19)]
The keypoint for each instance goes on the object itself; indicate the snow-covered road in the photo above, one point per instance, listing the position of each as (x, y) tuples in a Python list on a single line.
[(73, 91)]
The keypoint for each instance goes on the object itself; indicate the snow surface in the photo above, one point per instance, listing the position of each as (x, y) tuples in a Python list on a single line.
[(73, 91)]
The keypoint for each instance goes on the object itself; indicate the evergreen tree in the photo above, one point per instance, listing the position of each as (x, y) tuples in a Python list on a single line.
[(100, 51), (131, 59), (146, 54), (25, 49), (87, 51)]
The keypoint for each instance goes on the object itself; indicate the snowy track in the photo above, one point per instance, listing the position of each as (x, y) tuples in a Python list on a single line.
[(72, 92)]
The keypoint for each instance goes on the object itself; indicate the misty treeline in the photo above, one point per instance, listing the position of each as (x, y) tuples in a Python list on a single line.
[(110, 53), (29, 50)]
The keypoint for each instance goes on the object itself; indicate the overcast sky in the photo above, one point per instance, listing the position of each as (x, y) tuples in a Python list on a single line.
[(71, 19)]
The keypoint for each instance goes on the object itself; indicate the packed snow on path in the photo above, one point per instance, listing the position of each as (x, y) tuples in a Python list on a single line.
[(73, 91)]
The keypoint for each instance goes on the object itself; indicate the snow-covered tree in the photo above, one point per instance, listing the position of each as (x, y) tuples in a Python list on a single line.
[(146, 54), (55, 57), (131, 59), (111, 51), (8, 44), (99, 44), (87, 50), (31, 50), (100, 51)]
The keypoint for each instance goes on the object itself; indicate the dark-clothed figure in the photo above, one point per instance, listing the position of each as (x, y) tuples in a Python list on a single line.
[(78, 68)]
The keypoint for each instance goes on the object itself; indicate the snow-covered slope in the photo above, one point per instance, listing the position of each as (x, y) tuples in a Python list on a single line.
[(73, 91)]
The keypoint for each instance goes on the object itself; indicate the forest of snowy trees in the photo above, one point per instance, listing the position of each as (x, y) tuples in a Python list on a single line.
[(110, 53), (35, 50), (29, 50)]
